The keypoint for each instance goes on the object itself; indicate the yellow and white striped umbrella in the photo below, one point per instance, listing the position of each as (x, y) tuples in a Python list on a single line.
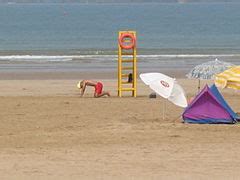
[(230, 78)]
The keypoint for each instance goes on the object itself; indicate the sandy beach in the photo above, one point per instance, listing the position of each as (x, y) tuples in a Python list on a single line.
[(49, 132)]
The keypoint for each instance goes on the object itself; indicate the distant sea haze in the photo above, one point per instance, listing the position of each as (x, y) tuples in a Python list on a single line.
[(76, 32), (117, 1)]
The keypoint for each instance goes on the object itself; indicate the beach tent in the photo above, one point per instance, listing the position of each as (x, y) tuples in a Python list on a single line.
[(209, 107)]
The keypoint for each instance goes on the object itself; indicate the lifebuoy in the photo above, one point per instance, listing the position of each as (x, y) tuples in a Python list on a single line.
[(132, 39)]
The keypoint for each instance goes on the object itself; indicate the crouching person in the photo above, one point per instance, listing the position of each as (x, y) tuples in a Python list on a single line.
[(98, 86)]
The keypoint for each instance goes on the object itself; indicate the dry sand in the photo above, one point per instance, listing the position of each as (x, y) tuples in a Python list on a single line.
[(49, 132)]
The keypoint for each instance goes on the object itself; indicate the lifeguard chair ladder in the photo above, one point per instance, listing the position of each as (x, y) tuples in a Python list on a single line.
[(127, 63)]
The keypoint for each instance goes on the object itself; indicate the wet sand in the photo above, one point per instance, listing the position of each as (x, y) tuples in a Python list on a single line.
[(49, 132)]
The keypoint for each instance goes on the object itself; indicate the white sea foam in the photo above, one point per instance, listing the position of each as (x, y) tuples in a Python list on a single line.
[(35, 58), (65, 58), (189, 55)]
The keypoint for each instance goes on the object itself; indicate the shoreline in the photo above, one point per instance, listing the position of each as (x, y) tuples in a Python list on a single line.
[(75, 75)]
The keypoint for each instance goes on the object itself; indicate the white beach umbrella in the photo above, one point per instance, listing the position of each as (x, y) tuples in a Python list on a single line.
[(177, 96), (166, 87), (158, 82)]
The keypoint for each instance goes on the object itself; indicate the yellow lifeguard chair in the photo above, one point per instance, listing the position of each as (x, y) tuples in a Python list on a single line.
[(127, 62)]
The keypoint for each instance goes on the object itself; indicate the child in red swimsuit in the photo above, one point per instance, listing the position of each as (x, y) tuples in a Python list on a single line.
[(97, 85), (98, 88)]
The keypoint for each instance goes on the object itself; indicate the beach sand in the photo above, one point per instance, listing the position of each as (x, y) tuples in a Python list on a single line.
[(49, 132)]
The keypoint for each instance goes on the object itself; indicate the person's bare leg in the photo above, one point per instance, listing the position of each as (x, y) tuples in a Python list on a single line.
[(102, 94)]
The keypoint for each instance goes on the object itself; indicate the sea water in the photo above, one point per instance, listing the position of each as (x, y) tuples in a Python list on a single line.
[(85, 35)]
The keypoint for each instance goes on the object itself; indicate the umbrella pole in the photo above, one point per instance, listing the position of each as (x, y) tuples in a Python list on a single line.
[(164, 106), (198, 85)]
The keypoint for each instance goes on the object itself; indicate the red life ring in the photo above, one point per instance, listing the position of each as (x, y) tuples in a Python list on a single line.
[(130, 45)]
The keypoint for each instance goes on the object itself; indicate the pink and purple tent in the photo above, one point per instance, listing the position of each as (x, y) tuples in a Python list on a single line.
[(209, 107)]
